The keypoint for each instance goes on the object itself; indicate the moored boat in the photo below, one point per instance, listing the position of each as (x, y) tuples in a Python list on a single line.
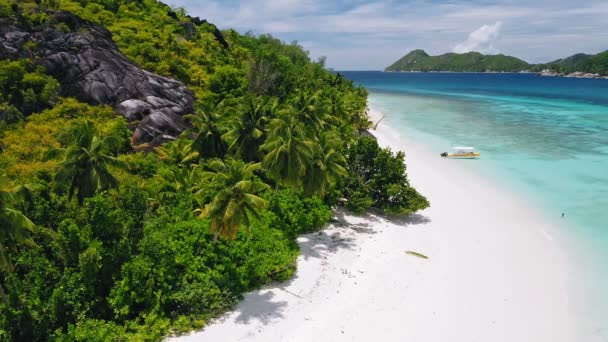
[(460, 152)]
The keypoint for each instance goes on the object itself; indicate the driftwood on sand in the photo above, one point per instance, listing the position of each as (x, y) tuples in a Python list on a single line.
[(416, 254)]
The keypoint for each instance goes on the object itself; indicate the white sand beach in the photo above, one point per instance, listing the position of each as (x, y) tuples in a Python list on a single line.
[(495, 271)]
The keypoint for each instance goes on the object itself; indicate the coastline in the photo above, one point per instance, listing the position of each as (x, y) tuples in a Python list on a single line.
[(503, 220), (495, 271), (543, 311), (544, 73)]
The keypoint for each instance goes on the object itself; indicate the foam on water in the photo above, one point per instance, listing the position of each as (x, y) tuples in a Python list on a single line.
[(545, 138)]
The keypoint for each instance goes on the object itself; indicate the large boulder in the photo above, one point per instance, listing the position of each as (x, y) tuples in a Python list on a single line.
[(89, 66)]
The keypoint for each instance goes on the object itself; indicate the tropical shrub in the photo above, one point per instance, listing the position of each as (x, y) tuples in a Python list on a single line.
[(295, 214), (181, 270), (379, 176), (25, 87)]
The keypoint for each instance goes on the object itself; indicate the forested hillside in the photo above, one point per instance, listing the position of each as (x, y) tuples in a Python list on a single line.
[(418, 60), (597, 64), (128, 212)]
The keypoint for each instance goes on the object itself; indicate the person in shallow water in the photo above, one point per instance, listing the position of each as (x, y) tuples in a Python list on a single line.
[(562, 215)]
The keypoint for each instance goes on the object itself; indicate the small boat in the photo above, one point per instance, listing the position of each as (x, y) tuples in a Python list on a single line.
[(460, 152)]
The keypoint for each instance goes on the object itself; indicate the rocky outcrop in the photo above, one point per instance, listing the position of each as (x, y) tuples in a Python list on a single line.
[(83, 57), (576, 74), (190, 27), (549, 73)]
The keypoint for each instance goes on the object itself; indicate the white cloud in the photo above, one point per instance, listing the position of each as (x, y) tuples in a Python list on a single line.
[(480, 40)]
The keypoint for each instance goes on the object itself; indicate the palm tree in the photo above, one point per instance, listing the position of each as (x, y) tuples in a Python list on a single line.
[(356, 105), (86, 167), (14, 225), (289, 151), (179, 180), (335, 104), (308, 108), (179, 152), (346, 134), (328, 165), (236, 202), (208, 135), (361, 121), (246, 134)]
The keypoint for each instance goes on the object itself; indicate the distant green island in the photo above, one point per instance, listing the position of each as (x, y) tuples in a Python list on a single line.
[(578, 65)]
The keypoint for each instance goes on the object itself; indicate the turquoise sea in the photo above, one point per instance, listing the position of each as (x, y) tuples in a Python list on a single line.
[(545, 138)]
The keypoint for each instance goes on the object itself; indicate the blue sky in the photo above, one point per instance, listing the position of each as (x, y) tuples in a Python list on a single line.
[(370, 35)]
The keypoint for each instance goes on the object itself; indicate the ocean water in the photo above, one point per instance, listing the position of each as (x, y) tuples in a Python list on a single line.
[(544, 138)]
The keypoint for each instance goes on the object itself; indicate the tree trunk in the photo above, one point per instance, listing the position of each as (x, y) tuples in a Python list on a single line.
[(4, 299)]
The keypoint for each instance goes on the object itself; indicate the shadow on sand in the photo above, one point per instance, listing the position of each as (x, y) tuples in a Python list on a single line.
[(375, 216), (409, 220), (318, 245), (260, 307)]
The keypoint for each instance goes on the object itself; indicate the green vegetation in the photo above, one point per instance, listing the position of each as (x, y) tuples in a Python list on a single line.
[(235, 203), (15, 227), (24, 89), (569, 63), (100, 241), (377, 178), (596, 64), (85, 168), (418, 60)]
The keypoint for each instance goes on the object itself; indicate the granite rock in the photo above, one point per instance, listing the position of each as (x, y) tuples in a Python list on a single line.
[(89, 66)]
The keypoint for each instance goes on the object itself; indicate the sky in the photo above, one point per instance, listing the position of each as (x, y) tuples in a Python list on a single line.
[(370, 35)]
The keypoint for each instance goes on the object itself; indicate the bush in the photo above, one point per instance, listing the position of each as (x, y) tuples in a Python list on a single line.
[(31, 314), (227, 81), (359, 198), (143, 164), (378, 178), (290, 212), (26, 87), (93, 330), (181, 271), (9, 113), (390, 188), (25, 146), (5, 11)]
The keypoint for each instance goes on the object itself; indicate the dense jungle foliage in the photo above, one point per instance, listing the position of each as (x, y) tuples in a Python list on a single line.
[(103, 242)]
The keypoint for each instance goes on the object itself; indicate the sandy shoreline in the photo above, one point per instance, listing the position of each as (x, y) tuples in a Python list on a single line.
[(494, 273)]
